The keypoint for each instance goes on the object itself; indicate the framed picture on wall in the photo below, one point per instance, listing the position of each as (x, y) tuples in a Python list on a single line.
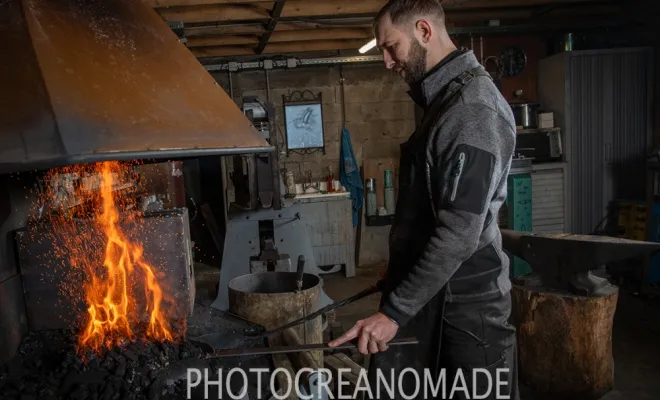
[(303, 119)]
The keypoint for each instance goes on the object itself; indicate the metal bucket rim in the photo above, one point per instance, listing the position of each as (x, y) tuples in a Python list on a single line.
[(250, 283)]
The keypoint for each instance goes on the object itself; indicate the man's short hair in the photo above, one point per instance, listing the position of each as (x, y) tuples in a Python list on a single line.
[(403, 10)]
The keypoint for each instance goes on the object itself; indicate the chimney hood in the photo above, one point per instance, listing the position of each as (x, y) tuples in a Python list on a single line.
[(97, 80)]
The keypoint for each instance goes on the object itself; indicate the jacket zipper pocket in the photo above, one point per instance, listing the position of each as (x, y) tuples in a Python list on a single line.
[(428, 185), (457, 175)]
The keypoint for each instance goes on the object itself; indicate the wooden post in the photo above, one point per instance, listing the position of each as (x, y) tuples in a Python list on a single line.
[(564, 340)]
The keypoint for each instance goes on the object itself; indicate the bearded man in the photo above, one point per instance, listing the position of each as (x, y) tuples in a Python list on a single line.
[(447, 282)]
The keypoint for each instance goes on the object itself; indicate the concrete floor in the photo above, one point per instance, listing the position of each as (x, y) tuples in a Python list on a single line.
[(636, 336)]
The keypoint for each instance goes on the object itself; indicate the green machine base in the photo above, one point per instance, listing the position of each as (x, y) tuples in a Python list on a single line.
[(519, 205)]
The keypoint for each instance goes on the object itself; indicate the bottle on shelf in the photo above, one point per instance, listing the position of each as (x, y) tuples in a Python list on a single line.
[(331, 178), (372, 208), (390, 204)]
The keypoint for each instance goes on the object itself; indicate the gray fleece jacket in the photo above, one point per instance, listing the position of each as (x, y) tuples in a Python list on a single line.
[(468, 154)]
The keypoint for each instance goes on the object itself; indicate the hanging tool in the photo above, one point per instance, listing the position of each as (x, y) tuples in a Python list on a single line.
[(254, 351), (366, 292), (300, 271)]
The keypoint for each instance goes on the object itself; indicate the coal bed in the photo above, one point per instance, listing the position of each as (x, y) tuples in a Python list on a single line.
[(47, 367)]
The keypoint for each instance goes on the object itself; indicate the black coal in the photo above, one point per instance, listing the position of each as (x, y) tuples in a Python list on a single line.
[(47, 367)]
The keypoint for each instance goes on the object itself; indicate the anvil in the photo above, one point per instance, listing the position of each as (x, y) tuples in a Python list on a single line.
[(565, 261)]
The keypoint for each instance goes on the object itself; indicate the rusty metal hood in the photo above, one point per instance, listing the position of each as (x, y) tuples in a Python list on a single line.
[(94, 80)]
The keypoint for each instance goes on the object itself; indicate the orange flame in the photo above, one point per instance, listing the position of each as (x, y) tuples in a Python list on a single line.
[(112, 292)]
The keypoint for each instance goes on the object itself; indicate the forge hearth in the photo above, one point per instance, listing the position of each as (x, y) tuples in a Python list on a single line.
[(48, 367)]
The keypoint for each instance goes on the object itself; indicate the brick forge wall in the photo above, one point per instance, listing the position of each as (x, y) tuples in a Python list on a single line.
[(379, 116)]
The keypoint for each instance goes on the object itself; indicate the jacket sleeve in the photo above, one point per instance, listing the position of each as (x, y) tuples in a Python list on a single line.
[(469, 172)]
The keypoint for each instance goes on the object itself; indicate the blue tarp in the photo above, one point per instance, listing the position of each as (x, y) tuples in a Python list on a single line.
[(349, 174)]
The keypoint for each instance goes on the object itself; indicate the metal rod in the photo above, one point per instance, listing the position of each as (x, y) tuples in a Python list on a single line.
[(343, 97), (255, 351), (481, 49)]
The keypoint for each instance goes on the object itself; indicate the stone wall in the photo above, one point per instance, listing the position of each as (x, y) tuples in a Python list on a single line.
[(378, 114)]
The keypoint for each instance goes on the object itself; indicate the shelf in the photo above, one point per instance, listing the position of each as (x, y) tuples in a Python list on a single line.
[(379, 220)]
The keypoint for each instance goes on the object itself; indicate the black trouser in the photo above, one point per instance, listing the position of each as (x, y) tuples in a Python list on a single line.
[(479, 336), (467, 339)]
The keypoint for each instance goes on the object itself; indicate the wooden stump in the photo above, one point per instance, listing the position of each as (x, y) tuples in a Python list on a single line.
[(565, 341)]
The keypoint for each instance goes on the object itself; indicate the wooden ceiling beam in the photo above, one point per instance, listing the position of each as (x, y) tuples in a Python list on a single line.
[(297, 26), (242, 10), (259, 28), (222, 51), (218, 12), (183, 3), (321, 34), (203, 41), (278, 48), (453, 5), (256, 28), (527, 14), (305, 8), (316, 45), (280, 37), (274, 19)]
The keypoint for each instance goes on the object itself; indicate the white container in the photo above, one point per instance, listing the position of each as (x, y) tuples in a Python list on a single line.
[(290, 183), (546, 120)]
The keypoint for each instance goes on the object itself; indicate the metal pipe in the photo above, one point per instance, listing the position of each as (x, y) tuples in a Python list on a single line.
[(267, 86), (485, 30), (471, 43), (343, 97), (481, 49), (231, 86)]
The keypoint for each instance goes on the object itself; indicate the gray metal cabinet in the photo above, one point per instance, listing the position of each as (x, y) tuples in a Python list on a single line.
[(602, 100)]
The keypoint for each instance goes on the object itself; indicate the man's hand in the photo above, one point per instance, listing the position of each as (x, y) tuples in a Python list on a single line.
[(373, 334)]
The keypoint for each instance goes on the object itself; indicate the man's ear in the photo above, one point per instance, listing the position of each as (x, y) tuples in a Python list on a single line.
[(424, 31)]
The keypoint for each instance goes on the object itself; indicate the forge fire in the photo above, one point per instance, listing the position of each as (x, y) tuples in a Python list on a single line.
[(125, 298), (108, 280)]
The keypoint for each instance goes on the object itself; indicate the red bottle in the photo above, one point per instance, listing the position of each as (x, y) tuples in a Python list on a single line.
[(330, 180)]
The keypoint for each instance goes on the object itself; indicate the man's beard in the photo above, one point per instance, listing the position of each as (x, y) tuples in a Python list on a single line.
[(415, 66)]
